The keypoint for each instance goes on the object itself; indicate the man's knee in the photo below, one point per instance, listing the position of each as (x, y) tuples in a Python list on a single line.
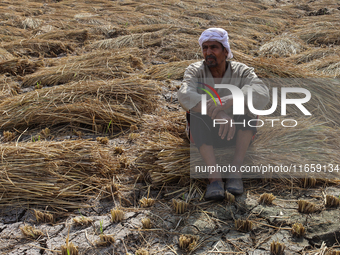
[(244, 135)]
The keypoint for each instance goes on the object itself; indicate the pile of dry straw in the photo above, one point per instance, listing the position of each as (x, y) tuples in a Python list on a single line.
[(95, 104), (60, 175)]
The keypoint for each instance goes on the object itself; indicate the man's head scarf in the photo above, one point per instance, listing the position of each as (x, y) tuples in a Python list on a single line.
[(216, 34)]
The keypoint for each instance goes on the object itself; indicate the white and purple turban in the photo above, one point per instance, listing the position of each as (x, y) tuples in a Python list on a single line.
[(216, 34)]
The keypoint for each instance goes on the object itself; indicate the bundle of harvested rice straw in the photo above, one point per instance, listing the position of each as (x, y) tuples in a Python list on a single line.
[(94, 65), (119, 102), (61, 175)]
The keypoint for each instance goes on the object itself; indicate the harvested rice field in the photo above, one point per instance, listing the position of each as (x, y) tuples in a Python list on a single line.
[(94, 158)]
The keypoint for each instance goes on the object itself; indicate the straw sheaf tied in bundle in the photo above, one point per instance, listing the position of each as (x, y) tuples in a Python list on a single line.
[(332, 69), (163, 133), (165, 121), (148, 28), (5, 55), (140, 40), (254, 28), (180, 44), (97, 64), (96, 104), (10, 34), (165, 158), (8, 87), (174, 70), (310, 142), (145, 36), (282, 46), (77, 36), (38, 48), (20, 66), (31, 23), (89, 18), (328, 66), (314, 31), (324, 102), (315, 54), (268, 67), (62, 175)]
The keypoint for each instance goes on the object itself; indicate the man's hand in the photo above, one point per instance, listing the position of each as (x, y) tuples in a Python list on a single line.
[(213, 110), (226, 129)]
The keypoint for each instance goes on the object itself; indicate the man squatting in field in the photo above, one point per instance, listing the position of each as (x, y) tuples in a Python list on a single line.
[(217, 69)]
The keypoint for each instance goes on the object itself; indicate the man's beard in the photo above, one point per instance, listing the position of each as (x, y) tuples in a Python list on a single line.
[(211, 61)]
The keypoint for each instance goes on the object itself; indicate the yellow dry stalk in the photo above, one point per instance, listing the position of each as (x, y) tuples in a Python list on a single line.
[(43, 217), (332, 201), (267, 198), (192, 245), (5, 55), (173, 70), (230, 198), (147, 202), (45, 132), (31, 23), (105, 240), (8, 136), (306, 207), (82, 221), (112, 187), (309, 182), (118, 150), (124, 162), (141, 40), (133, 128), (332, 252), (117, 215), (243, 225), (188, 242), (142, 251), (103, 140), (277, 248), (78, 133), (179, 206), (133, 136), (69, 249), (146, 222), (298, 230), (30, 231), (282, 46)]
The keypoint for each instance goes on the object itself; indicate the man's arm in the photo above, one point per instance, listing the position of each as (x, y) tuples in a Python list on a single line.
[(197, 108), (212, 109), (188, 95), (190, 99), (260, 92)]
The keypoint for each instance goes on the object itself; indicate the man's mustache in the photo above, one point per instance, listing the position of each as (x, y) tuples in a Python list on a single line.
[(210, 56)]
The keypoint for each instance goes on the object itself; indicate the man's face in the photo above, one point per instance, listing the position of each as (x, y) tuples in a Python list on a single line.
[(213, 53)]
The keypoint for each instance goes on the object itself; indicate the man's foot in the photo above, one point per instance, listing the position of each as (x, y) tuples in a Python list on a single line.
[(215, 191), (234, 186)]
